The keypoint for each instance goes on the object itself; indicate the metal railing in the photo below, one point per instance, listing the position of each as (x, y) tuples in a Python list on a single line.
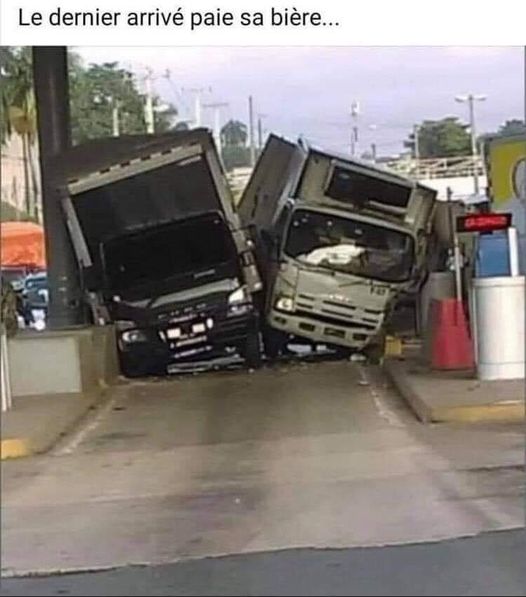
[(438, 167)]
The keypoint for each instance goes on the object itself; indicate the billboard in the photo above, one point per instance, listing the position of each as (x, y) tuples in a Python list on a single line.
[(506, 163)]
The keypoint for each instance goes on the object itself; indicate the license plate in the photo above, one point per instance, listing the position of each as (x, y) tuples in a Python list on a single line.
[(173, 333), (199, 328), (188, 341)]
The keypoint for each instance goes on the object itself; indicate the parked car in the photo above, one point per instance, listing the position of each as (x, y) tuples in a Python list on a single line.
[(35, 291)]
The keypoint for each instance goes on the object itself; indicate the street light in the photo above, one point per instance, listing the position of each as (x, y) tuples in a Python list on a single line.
[(470, 99)]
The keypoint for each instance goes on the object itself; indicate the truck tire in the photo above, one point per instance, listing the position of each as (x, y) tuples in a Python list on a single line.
[(251, 351), (275, 342), (132, 368), (343, 353)]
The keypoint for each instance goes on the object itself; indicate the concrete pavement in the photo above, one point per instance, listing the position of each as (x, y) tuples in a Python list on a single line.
[(490, 564), (297, 455)]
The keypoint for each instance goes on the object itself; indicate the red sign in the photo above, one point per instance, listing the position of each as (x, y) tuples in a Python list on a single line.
[(487, 222)]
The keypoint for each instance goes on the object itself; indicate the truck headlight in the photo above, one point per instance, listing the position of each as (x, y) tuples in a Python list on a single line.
[(238, 296), (285, 303), (133, 336)]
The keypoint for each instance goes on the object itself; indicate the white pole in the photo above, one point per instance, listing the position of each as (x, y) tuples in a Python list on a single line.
[(251, 130), (4, 372), (197, 108), (513, 246), (456, 247), (148, 106), (417, 150), (115, 118)]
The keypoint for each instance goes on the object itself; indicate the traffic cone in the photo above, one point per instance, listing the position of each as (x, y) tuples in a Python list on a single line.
[(450, 344)]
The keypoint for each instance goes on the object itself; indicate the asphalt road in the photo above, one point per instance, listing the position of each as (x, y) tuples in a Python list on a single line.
[(490, 564)]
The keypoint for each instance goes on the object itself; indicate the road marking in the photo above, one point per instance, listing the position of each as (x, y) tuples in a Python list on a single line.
[(73, 441), (382, 406)]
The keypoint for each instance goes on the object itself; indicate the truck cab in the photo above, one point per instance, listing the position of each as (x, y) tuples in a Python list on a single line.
[(342, 240), (160, 249)]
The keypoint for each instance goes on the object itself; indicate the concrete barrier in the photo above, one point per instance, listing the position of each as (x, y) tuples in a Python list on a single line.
[(76, 360)]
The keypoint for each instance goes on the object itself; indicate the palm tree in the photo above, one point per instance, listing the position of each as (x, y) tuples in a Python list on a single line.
[(19, 113)]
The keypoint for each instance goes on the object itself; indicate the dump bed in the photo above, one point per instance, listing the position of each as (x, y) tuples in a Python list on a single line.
[(315, 176), (273, 180), (112, 187), (355, 185)]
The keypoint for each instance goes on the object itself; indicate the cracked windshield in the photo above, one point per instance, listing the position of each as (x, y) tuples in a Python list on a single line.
[(350, 246)]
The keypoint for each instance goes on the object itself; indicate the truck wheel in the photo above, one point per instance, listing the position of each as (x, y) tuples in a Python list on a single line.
[(251, 351), (275, 342), (343, 353), (132, 368)]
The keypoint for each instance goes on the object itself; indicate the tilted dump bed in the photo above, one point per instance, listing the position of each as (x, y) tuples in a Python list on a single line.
[(116, 186)]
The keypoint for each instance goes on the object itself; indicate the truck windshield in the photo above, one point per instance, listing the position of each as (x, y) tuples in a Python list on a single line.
[(187, 253), (349, 246)]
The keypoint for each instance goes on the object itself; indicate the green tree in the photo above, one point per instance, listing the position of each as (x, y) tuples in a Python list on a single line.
[(234, 134), (441, 138), (235, 152), (19, 113), (512, 127), (97, 90)]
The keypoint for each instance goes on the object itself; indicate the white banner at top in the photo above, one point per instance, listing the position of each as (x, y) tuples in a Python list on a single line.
[(241, 23)]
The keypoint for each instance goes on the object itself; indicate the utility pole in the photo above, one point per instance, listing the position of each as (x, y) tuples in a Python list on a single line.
[(355, 111), (416, 135), (115, 106), (149, 116), (198, 104), (216, 107), (251, 131), (470, 99), (50, 74), (373, 128), (260, 131)]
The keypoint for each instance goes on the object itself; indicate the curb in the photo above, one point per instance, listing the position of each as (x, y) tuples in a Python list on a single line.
[(509, 411), (406, 390), (21, 447)]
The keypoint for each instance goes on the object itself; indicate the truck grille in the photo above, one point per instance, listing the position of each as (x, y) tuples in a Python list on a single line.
[(337, 313)]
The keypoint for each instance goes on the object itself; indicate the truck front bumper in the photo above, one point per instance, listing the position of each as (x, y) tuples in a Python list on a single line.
[(315, 329), (158, 350)]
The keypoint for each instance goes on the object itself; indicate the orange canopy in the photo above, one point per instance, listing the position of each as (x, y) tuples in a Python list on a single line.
[(22, 244)]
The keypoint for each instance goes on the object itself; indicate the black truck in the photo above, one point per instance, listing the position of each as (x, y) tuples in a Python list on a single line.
[(161, 251)]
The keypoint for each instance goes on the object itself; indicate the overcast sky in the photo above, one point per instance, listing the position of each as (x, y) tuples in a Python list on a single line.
[(309, 90)]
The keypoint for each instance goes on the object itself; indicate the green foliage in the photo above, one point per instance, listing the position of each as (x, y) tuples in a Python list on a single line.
[(9, 213), (235, 152), (234, 134), (17, 96), (94, 90), (441, 138), (512, 127)]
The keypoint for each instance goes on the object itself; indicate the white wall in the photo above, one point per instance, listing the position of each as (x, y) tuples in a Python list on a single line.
[(462, 186), (13, 190)]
